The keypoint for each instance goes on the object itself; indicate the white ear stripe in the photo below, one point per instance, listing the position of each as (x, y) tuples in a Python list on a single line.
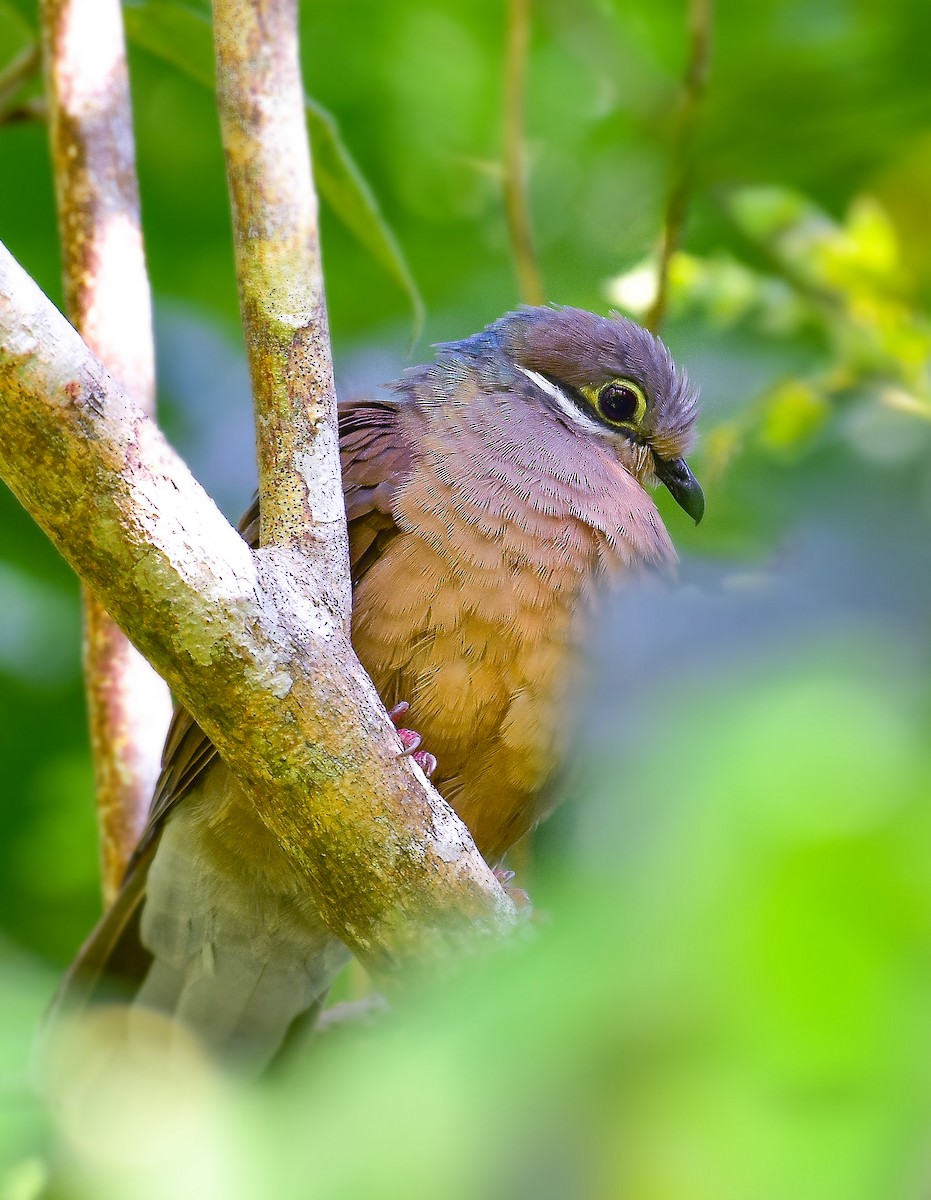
[(566, 407)]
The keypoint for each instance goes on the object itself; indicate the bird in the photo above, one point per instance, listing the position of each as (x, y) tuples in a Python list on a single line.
[(488, 498)]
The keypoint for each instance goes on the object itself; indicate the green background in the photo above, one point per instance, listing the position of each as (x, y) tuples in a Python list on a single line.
[(730, 995)]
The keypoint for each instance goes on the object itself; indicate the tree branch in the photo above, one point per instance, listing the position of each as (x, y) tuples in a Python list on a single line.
[(693, 87), (265, 668), (275, 227), (108, 301), (515, 169)]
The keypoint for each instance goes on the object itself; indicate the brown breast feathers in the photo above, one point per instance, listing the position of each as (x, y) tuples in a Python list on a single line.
[(469, 608)]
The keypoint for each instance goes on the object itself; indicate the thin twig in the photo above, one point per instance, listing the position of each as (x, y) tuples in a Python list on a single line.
[(514, 169), (107, 300), (693, 87)]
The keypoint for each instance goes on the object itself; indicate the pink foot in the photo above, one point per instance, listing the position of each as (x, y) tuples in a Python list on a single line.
[(411, 740)]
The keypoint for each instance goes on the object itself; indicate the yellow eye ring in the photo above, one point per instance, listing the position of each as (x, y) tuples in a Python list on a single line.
[(621, 402)]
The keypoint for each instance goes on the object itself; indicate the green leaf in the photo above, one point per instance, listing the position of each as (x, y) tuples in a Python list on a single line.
[(22, 12), (176, 34), (345, 189), (184, 38)]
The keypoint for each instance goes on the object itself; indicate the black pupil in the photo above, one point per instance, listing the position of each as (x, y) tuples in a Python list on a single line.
[(618, 403)]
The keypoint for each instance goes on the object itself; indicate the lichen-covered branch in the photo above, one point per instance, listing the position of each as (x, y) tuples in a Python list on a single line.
[(108, 301), (263, 665), (260, 97), (693, 87), (275, 228), (515, 171)]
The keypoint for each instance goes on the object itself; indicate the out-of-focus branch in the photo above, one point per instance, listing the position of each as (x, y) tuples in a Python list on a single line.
[(693, 87), (108, 302), (262, 663), (514, 165)]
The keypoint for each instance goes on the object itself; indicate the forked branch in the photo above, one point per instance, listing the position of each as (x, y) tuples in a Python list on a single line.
[(247, 644)]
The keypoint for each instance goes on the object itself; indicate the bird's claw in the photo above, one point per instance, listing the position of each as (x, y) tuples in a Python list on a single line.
[(426, 761), (411, 741)]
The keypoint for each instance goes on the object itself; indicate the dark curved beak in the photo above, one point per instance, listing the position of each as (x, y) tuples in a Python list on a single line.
[(682, 486)]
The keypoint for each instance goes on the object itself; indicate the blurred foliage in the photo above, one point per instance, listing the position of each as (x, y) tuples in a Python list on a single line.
[(730, 995), (842, 284), (184, 38)]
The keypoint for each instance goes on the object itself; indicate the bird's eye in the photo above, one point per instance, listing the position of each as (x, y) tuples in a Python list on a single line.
[(621, 402)]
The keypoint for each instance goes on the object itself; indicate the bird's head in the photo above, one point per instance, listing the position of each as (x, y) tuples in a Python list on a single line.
[(610, 379)]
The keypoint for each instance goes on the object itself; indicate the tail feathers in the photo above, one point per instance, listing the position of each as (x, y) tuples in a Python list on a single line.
[(236, 971), (242, 1009), (235, 964), (113, 960)]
